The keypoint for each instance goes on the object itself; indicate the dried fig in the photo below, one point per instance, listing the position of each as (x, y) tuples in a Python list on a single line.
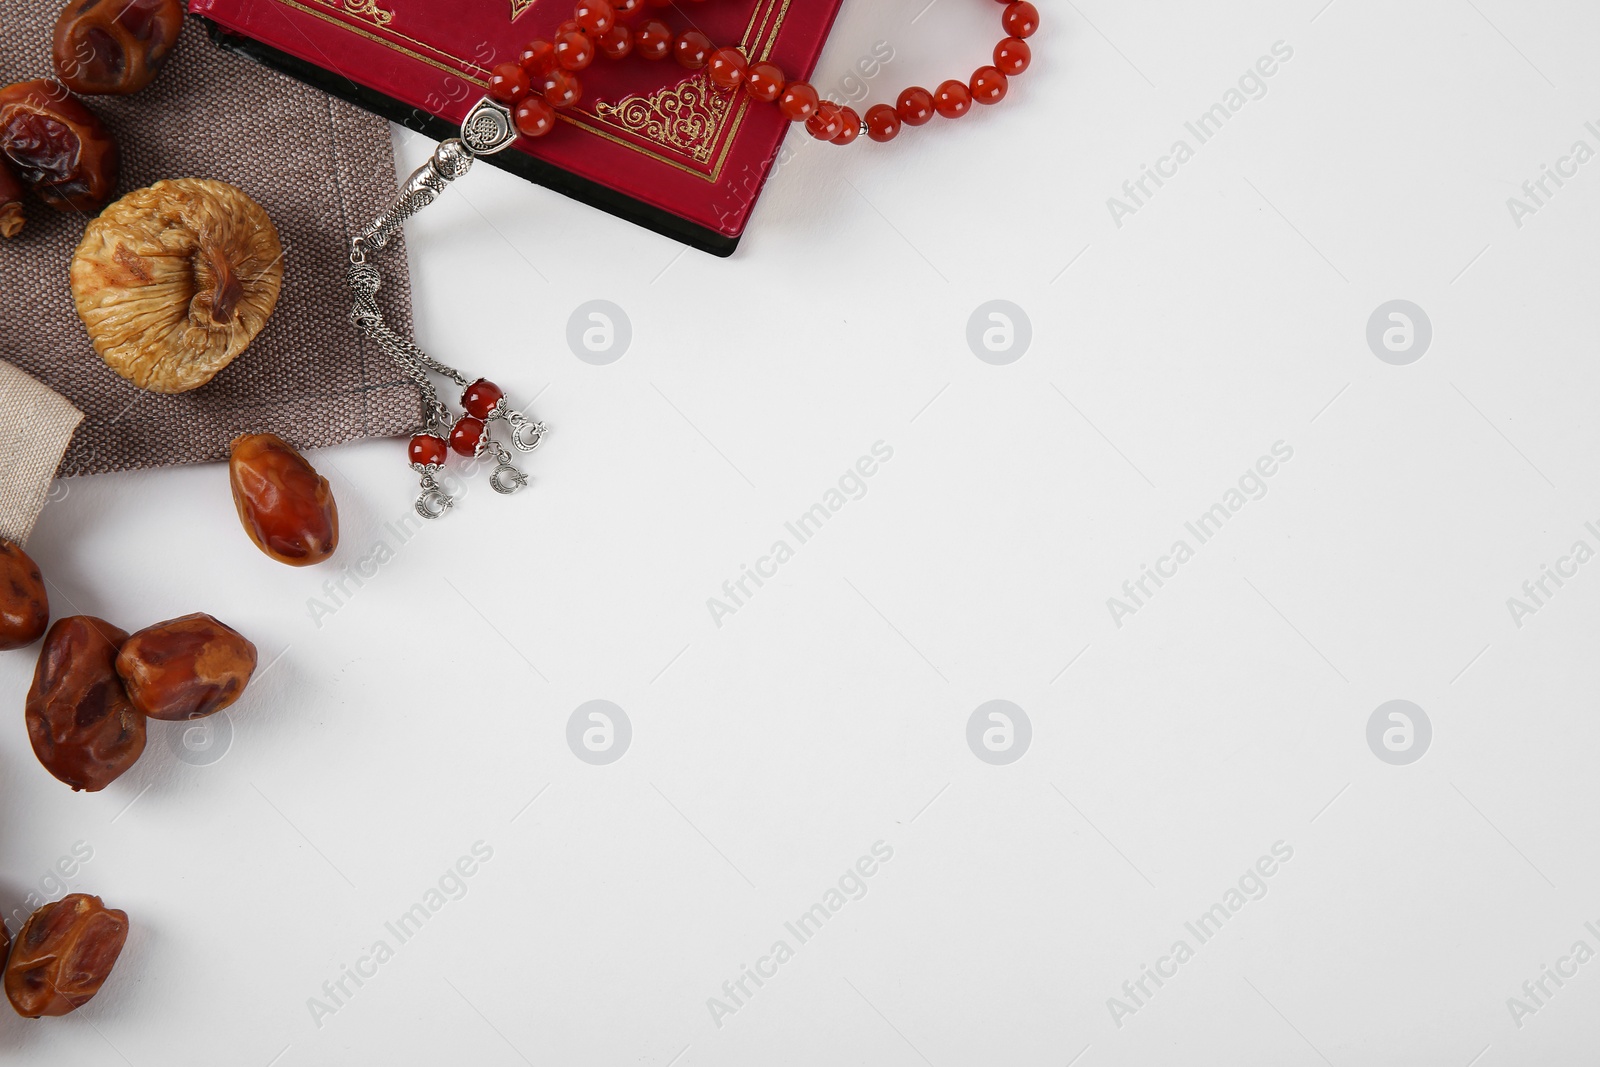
[(63, 955), (185, 668), (83, 728), (174, 281), (286, 507), (12, 217), (24, 605), (57, 146), (114, 46)]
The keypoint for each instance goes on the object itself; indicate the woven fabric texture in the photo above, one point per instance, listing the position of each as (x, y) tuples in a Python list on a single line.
[(36, 422), (321, 168)]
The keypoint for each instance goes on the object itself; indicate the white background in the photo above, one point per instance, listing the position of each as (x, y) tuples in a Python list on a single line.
[(830, 712)]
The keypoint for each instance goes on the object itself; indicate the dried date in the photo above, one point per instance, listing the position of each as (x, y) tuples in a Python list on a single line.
[(63, 955), (185, 668), (114, 46), (57, 146), (285, 506), (83, 727), (24, 605), (12, 216)]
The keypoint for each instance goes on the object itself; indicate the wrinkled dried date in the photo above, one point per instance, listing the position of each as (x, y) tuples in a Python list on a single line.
[(114, 46), (24, 605), (83, 727), (285, 505), (63, 955), (185, 668), (12, 216), (57, 146)]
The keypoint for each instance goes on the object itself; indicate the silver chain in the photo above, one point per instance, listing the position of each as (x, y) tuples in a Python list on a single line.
[(487, 129)]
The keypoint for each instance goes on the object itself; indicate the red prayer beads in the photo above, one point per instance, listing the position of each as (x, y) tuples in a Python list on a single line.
[(827, 122), (653, 39), (1021, 19), (467, 436), (952, 99), (852, 126), (574, 50), (534, 117), (989, 85), (562, 88), (692, 50), (764, 82), (481, 398), (727, 68), (915, 106), (595, 18), (509, 83), (544, 78), (484, 402), (798, 101), (428, 450), (883, 122), (1012, 56)]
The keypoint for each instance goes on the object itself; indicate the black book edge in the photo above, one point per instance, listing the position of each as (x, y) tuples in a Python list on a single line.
[(522, 165)]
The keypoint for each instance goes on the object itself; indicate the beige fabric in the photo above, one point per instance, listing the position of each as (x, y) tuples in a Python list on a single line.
[(320, 167), (36, 422)]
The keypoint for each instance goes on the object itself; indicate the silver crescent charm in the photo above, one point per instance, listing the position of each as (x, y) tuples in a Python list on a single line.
[(433, 502), (507, 479), (534, 430)]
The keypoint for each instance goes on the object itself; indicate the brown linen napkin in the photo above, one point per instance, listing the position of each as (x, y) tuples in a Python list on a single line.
[(322, 170)]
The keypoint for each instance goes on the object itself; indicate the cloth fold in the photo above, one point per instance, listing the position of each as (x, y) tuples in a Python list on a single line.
[(36, 422), (321, 168)]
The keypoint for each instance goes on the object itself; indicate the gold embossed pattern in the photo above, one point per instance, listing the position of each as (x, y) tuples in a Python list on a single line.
[(365, 9), (687, 116)]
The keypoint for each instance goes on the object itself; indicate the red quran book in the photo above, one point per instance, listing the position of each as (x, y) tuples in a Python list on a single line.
[(650, 142)]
